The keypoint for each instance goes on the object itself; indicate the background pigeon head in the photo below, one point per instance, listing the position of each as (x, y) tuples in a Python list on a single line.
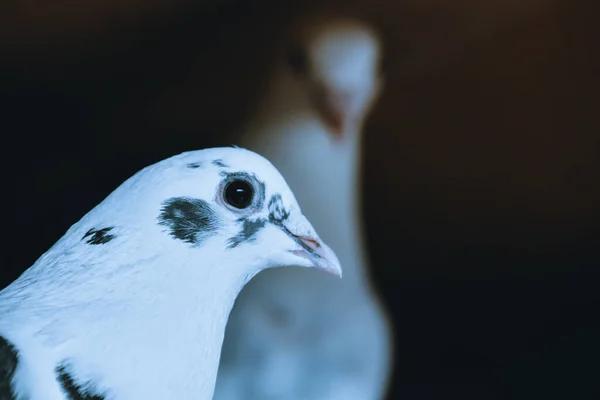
[(338, 60)]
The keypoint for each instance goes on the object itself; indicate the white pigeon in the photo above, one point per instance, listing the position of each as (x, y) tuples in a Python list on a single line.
[(132, 302), (292, 335)]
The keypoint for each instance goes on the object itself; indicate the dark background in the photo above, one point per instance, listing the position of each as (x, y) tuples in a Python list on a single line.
[(481, 169)]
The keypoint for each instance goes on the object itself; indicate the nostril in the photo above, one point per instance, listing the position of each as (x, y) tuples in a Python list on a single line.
[(310, 242)]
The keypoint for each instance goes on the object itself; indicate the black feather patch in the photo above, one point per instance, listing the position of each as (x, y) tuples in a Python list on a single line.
[(249, 227), (8, 364), (248, 232), (277, 216), (219, 163), (194, 165), (190, 220), (277, 211), (99, 236), (71, 389)]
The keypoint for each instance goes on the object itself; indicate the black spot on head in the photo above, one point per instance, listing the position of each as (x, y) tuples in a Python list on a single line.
[(8, 364), (248, 232), (190, 220), (194, 165), (219, 163), (99, 236), (277, 212), (71, 389), (277, 216)]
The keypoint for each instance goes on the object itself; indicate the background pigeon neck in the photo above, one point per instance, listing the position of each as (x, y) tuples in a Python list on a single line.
[(324, 176)]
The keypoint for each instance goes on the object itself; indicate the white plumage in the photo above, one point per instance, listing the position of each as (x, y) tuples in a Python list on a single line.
[(131, 303), (333, 343)]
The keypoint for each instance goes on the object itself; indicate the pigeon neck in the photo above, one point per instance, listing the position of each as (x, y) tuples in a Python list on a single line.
[(160, 319), (184, 327)]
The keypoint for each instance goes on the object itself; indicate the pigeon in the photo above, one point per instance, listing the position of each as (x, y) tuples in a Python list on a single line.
[(132, 302), (291, 335)]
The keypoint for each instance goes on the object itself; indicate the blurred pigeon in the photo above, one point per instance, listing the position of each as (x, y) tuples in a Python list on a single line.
[(335, 342), (132, 302)]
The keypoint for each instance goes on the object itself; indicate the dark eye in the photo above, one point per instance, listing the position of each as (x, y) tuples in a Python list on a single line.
[(239, 193)]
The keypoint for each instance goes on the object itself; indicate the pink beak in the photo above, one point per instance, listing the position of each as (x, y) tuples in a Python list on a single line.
[(320, 254)]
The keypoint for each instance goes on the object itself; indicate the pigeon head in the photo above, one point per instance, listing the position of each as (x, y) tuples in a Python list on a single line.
[(223, 208), (339, 62), (235, 200)]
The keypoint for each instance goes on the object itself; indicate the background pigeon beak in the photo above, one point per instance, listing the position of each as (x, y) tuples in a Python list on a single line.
[(335, 120), (334, 106), (319, 254)]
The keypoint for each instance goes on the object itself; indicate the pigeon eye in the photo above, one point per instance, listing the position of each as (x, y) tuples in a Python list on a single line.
[(239, 193)]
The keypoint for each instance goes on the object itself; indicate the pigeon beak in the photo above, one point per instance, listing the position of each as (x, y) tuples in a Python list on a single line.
[(336, 113), (313, 248), (319, 254), (335, 108), (335, 121)]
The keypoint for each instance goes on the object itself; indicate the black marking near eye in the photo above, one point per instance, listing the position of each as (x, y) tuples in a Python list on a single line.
[(8, 364), (99, 236), (189, 220), (71, 389), (219, 163), (278, 215), (248, 232), (249, 227), (277, 211), (194, 165)]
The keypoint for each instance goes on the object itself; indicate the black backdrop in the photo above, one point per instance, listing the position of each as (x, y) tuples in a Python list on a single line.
[(481, 168)]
